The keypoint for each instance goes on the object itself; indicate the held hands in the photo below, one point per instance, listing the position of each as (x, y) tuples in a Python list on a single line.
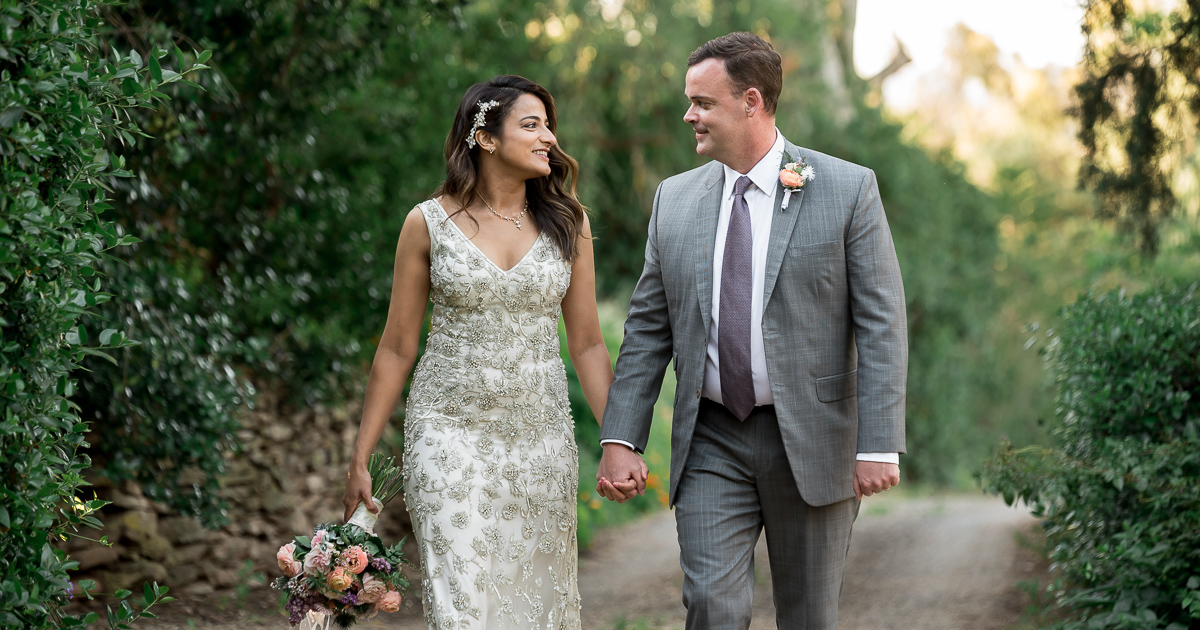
[(358, 490), (622, 474), (874, 477)]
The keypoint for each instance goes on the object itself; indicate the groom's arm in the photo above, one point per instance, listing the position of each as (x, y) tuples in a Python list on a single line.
[(881, 333), (645, 352)]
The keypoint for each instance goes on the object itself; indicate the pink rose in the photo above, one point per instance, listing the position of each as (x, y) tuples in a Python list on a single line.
[(791, 179), (317, 561), (372, 590), (286, 557), (389, 602), (317, 538), (339, 579), (355, 559)]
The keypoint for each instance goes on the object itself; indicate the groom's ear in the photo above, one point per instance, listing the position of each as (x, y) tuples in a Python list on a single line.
[(752, 100)]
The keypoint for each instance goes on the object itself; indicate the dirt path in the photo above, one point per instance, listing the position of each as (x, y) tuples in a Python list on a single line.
[(930, 563), (945, 562)]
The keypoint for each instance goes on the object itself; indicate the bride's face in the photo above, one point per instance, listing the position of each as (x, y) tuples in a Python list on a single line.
[(523, 145)]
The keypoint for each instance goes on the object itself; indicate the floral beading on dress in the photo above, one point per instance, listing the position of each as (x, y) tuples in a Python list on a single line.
[(490, 460)]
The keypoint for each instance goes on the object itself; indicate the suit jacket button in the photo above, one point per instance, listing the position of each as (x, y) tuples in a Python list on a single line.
[(697, 393)]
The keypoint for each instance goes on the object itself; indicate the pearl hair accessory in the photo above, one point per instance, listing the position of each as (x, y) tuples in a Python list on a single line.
[(480, 119)]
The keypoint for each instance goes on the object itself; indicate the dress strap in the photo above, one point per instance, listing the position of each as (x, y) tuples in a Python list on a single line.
[(435, 218)]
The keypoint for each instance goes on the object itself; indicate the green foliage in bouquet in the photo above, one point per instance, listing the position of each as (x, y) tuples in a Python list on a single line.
[(63, 106), (1118, 495), (386, 478)]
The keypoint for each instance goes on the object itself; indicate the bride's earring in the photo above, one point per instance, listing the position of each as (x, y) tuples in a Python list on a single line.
[(492, 150)]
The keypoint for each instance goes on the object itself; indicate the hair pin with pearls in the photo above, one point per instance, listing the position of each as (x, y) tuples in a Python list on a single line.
[(480, 118)]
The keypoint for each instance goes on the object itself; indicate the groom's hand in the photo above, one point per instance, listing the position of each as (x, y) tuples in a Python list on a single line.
[(874, 477), (622, 473)]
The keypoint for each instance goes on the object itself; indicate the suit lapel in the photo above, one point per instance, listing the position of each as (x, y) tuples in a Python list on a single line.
[(782, 225), (708, 210)]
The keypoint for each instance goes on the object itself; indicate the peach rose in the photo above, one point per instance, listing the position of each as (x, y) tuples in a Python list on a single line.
[(339, 579), (355, 559), (372, 590), (317, 561), (286, 557), (791, 179), (389, 602)]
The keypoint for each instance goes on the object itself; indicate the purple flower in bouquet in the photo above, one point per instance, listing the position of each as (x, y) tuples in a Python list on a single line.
[(297, 607), (379, 564)]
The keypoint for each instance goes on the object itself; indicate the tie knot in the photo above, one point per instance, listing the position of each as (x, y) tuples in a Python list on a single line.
[(740, 186)]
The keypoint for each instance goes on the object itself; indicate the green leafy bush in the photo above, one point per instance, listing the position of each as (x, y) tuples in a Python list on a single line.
[(59, 104), (1118, 496), (268, 214)]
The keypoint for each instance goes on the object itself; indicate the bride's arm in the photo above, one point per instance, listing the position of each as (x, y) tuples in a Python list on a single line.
[(585, 343), (396, 353)]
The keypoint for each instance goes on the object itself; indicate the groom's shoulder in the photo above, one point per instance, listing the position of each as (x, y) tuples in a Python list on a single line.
[(834, 166), (702, 174)]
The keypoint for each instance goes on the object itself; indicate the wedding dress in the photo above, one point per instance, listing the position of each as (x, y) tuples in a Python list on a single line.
[(491, 467)]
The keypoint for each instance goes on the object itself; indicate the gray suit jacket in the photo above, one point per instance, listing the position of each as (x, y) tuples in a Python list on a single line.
[(834, 325)]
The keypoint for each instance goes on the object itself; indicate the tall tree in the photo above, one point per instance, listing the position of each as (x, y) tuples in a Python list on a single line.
[(1138, 108)]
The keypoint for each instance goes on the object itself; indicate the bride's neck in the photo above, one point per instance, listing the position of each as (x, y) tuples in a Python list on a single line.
[(502, 192)]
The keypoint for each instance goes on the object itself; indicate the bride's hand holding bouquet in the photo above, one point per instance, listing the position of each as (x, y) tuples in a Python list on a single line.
[(345, 572)]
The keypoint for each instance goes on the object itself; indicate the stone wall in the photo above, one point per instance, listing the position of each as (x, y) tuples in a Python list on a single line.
[(288, 478)]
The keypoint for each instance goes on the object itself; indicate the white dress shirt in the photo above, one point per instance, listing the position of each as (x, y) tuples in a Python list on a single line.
[(760, 199)]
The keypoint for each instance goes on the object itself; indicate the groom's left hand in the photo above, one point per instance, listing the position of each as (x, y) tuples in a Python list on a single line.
[(874, 477)]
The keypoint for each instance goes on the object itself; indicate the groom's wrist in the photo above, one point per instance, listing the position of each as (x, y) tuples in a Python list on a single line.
[(621, 442), (884, 458)]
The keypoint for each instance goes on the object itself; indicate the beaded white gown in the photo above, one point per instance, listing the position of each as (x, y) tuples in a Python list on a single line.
[(490, 459)]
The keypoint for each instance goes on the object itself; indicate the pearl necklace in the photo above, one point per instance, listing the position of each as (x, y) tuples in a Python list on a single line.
[(516, 221)]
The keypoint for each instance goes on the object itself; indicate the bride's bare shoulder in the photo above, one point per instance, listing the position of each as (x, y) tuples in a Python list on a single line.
[(415, 230)]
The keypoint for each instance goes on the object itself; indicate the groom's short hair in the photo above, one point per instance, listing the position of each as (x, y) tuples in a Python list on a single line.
[(750, 61)]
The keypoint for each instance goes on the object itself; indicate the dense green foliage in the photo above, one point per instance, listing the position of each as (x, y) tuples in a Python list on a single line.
[(1118, 496), (1138, 109), (59, 103), (262, 251)]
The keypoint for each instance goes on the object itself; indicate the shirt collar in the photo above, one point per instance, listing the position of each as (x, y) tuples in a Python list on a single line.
[(765, 174)]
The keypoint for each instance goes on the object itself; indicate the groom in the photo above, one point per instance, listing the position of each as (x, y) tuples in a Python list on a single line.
[(785, 323)]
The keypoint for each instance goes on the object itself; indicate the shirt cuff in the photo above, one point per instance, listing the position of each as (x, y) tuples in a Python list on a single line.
[(602, 442), (886, 458)]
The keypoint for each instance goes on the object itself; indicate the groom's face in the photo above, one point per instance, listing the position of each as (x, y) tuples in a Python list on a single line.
[(717, 116)]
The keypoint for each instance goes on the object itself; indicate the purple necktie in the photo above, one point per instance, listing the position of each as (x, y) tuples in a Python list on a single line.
[(737, 281)]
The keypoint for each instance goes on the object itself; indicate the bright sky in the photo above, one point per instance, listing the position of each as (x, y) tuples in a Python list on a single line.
[(1041, 32)]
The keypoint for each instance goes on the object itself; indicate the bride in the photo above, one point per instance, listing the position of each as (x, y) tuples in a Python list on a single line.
[(491, 467)]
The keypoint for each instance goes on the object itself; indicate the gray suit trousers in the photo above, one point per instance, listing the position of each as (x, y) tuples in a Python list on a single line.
[(736, 482)]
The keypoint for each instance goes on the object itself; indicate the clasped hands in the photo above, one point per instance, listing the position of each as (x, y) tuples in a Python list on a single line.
[(622, 475)]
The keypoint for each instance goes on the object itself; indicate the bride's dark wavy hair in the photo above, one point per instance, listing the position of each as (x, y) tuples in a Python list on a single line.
[(555, 209)]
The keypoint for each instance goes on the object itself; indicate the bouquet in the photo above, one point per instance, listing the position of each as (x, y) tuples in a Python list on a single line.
[(344, 572)]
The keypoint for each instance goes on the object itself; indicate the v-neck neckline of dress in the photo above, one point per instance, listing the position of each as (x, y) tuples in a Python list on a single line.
[(480, 251)]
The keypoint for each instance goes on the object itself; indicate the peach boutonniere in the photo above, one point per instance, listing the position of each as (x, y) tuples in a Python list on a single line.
[(793, 176)]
